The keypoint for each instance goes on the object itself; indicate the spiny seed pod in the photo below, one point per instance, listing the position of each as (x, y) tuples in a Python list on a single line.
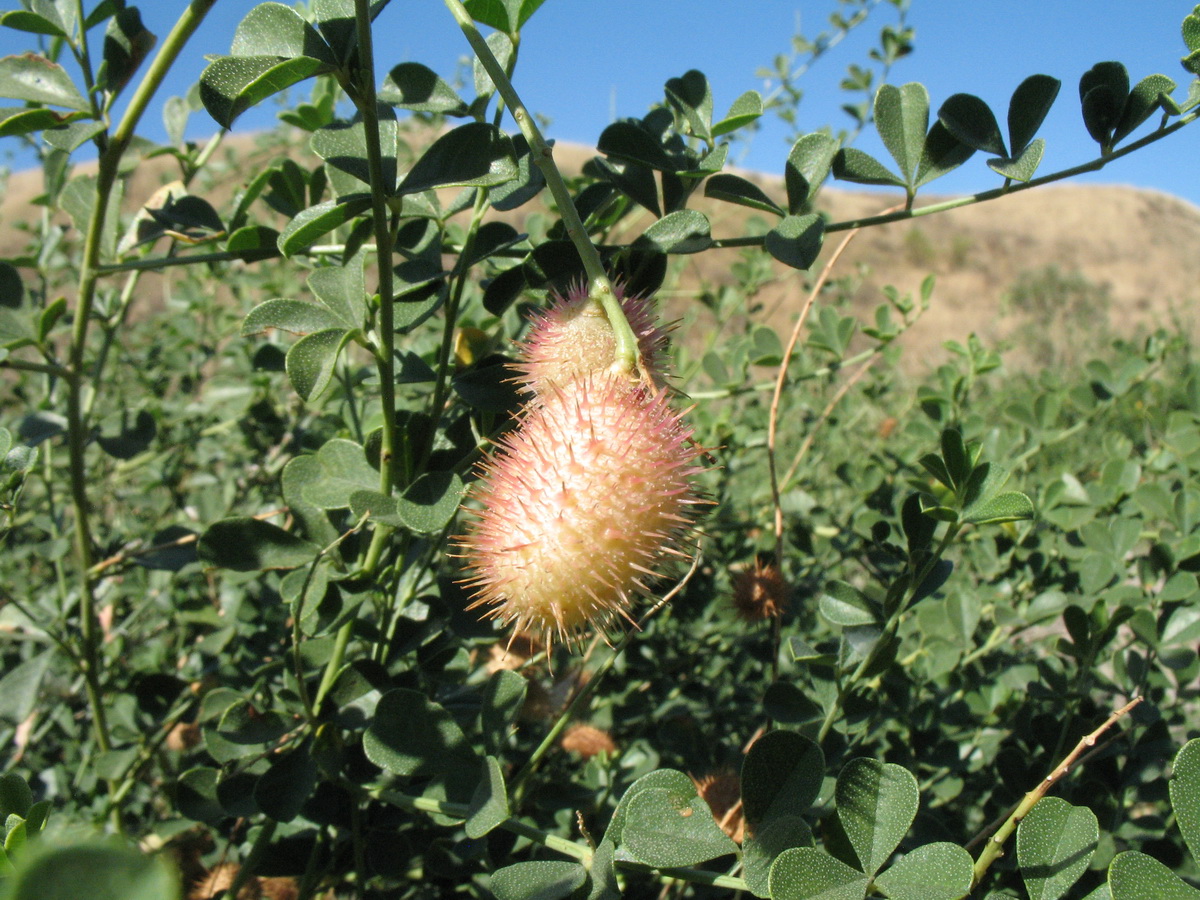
[(573, 338), (759, 592), (579, 505), (588, 741)]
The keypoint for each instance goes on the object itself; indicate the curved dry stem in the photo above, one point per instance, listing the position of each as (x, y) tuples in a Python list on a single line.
[(995, 844)]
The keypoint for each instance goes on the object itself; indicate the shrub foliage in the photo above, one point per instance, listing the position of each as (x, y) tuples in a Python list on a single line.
[(937, 638)]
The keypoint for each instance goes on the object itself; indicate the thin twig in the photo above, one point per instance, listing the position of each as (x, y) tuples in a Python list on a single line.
[(781, 380), (995, 844), (807, 443)]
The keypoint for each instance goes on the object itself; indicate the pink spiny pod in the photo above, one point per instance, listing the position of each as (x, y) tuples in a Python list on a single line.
[(580, 505), (573, 338)]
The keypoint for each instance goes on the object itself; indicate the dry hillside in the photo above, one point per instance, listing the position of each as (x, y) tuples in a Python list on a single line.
[(1048, 270)]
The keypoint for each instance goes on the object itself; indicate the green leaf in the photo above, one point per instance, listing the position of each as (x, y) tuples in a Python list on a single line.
[(691, 97), (127, 43), (489, 805), (293, 316), (544, 879), (20, 686), (44, 21), (418, 88), (502, 700), (972, 122), (845, 605), (808, 165), (851, 164), (668, 828), (245, 544), (1136, 876), (527, 185), (633, 180), (15, 796), (503, 15), (242, 723), (122, 439), (1191, 30), (876, 805), (766, 843), (797, 240), (1185, 794), (344, 470), (735, 189), (14, 841), (1023, 167), (196, 796), (941, 871), (603, 873), (273, 29), (15, 121), (426, 507), (1027, 109), (111, 871), (502, 48), (1103, 90), (283, 789), (1010, 506), (683, 231), (230, 85), (942, 153), (72, 135), (335, 19), (472, 155), (343, 145), (297, 475), (1143, 100), (1055, 842), (667, 779), (781, 776), (36, 79), (311, 360), (901, 118), (807, 874), (412, 735), (253, 243), (745, 109), (629, 141), (342, 289), (957, 459), (312, 224)]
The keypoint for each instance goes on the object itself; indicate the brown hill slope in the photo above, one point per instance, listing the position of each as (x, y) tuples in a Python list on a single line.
[(1049, 270)]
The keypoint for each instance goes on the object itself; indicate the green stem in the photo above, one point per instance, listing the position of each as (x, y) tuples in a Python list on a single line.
[(600, 288), (385, 355), (1094, 165), (334, 666), (893, 623), (441, 388), (21, 365), (76, 377)]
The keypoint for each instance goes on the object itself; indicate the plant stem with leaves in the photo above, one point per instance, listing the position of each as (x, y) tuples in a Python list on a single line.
[(600, 288), (78, 375)]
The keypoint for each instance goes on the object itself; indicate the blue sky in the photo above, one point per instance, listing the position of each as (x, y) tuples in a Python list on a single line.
[(585, 61)]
